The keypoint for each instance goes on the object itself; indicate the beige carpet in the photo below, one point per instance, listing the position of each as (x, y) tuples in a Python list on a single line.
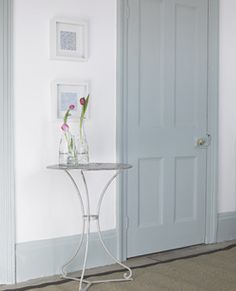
[(211, 272)]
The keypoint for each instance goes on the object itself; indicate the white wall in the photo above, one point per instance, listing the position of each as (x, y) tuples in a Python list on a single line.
[(227, 107), (46, 204)]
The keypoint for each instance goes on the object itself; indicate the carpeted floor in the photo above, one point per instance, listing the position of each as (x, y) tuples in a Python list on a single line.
[(206, 272)]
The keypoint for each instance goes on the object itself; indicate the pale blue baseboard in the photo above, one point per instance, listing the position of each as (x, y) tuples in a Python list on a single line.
[(226, 226), (36, 259), (44, 258)]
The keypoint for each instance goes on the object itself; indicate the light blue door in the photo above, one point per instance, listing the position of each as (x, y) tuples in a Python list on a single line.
[(167, 114)]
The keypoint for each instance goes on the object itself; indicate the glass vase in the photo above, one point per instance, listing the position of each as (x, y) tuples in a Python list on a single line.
[(67, 149), (82, 147)]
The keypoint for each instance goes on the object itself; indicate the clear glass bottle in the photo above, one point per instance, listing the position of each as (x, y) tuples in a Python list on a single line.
[(67, 149), (82, 147)]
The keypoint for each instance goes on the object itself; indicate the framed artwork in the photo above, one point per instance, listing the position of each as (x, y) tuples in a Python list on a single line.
[(69, 39), (66, 93)]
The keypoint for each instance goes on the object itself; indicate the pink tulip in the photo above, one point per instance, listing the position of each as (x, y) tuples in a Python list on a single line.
[(65, 127), (72, 107), (82, 101)]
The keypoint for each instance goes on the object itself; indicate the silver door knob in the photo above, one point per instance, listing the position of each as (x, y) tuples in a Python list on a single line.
[(201, 141)]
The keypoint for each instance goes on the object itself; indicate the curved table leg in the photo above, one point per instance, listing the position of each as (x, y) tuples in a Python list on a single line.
[(127, 276), (87, 232), (63, 270)]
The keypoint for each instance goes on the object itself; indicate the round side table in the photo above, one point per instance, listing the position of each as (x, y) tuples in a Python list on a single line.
[(87, 217)]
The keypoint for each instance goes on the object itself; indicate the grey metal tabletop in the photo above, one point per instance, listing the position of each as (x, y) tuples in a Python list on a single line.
[(92, 167)]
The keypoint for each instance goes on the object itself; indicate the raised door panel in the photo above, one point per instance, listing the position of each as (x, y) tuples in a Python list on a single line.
[(150, 63), (150, 192), (185, 189), (146, 58), (186, 58), (190, 65)]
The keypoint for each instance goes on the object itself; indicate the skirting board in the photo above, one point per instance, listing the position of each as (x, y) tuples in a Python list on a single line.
[(44, 258), (226, 226)]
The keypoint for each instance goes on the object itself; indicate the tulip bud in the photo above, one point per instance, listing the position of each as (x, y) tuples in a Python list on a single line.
[(82, 101), (65, 127)]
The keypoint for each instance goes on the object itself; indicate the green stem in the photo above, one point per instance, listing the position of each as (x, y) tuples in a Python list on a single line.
[(81, 126), (69, 141), (67, 114)]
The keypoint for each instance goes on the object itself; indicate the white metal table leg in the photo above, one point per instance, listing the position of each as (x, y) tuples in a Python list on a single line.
[(87, 219), (87, 231), (127, 276), (63, 270)]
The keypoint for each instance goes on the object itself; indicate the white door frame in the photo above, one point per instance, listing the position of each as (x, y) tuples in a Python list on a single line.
[(212, 154), (7, 189)]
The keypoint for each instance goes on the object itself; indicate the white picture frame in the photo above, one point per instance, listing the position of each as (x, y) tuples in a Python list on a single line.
[(69, 39), (66, 93)]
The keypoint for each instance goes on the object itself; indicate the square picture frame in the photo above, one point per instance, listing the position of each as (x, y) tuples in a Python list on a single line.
[(69, 39), (66, 93)]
